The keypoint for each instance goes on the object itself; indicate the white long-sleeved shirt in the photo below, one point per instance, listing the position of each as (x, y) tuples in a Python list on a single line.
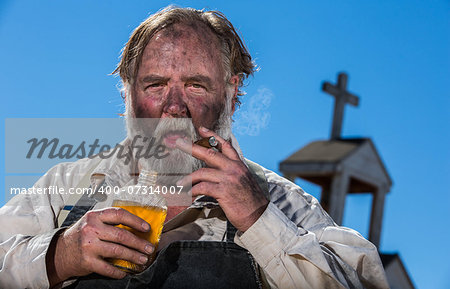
[(295, 243)]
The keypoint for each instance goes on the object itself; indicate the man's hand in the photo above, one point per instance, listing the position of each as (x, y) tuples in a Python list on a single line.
[(227, 179), (81, 249)]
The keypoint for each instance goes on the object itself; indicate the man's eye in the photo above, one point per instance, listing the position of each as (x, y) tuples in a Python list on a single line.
[(154, 85), (197, 86)]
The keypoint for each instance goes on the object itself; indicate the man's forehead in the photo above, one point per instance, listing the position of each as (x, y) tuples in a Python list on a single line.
[(194, 31), (184, 44)]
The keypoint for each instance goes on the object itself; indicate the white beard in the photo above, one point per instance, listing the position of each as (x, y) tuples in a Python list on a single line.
[(177, 163)]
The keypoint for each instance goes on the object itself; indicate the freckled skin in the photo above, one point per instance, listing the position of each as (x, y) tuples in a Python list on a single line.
[(180, 75), (176, 55)]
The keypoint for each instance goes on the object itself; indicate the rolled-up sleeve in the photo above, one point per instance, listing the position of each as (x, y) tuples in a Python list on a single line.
[(23, 261), (27, 225)]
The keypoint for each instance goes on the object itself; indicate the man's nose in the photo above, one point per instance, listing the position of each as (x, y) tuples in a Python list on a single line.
[(175, 105)]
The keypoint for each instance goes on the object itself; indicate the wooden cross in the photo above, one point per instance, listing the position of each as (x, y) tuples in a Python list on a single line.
[(342, 97)]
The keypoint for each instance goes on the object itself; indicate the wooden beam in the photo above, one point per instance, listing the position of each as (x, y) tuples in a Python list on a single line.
[(337, 195), (309, 168), (376, 218)]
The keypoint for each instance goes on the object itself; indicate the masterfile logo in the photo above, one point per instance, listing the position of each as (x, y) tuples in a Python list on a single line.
[(34, 145)]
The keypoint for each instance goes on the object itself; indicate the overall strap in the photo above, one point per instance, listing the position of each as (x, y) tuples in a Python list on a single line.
[(231, 231), (76, 206), (84, 204)]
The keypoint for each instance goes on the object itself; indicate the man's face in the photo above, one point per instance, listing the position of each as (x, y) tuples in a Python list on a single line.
[(181, 76)]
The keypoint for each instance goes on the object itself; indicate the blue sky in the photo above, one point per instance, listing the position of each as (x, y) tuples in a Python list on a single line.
[(56, 57)]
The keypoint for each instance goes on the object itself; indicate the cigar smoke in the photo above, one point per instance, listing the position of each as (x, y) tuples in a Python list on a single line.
[(254, 115)]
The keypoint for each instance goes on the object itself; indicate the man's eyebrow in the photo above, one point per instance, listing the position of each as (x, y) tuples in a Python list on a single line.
[(153, 77), (198, 78)]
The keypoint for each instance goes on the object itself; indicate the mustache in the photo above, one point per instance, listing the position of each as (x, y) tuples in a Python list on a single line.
[(179, 126)]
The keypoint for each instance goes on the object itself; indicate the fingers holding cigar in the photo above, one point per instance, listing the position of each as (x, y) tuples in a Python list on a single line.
[(208, 142), (201, 148), (223, 145)]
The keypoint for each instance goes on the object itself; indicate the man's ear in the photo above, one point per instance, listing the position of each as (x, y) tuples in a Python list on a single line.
[(234, 80)]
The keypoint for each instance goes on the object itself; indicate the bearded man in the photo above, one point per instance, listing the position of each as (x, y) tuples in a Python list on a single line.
[(247, 226)]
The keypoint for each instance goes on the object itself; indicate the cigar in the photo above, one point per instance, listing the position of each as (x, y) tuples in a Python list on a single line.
[(208, 142)]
